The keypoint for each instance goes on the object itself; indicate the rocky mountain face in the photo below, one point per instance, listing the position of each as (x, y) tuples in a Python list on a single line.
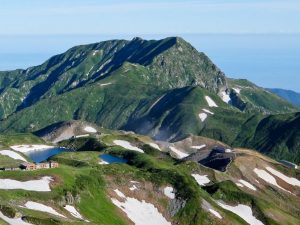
[(162, 88), (168, 63)]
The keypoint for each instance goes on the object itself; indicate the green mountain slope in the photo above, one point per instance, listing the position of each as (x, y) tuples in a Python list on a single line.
[(277, 136), (159, 88), (102, 193), (251, 98), (84, 65)]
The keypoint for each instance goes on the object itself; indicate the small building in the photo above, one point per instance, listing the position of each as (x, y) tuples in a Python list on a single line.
[(28, 166), (43, 165), (53, 164), (36, 166)]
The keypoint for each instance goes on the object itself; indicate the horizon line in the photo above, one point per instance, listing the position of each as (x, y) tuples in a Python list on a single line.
[(138, 34)]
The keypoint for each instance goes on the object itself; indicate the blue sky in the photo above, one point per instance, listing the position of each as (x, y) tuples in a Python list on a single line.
[(144, 17)]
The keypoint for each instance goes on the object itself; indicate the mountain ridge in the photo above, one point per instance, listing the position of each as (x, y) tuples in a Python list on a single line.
[(289, 95), (131, 85)]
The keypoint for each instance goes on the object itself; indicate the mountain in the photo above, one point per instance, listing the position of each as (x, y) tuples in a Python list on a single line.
[(155, 183), (288, 95), (178, 158), (276, 135), (254, 98), (162, 88)]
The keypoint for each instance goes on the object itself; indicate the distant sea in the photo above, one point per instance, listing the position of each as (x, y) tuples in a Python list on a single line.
[(269, 60)]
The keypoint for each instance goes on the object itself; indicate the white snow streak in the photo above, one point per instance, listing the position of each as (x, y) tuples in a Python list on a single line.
[(28, 148), (198, 146), (215, 213), (127, 145), (237, 90), (210, 102), (13, 155), (267, 177), (90, 129), (73, 212), (225, 97), (290, 180), (31, 185), (207, 111), (43, 208), (244, 211), (154, 145), (247, 184), (140, 212), (13, 221), (178, 154), (169, 192), (202, 116), (201, 179)]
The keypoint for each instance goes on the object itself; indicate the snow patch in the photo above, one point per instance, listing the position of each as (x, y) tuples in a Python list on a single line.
[(102, 162), (210, 102), (267, 177), (153, 145), (243, 211), (90, 129), (134, 182), (169, 192), (41, 185), (201, 179), (237, 90), (95, 52), (248, 185), (156, 102), (178, 154), (198, 146), (133, 188), (207, 111), (82, 135), (225, 97), (239, 184), (43, 208), (202, 116), (290, 180), (215, 213), (13, 155), (13, 221), (119, 193), (127, 145), (140, 212), (105, 84), (73, 211), (28, 148)]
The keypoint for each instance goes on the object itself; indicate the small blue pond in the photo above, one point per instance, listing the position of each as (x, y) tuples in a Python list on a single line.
[(112, 159), (42, 155)]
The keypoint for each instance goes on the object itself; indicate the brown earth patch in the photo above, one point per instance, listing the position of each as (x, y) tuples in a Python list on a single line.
[(145, 191)]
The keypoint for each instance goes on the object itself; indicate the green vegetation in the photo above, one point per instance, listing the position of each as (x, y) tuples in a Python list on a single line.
[(7, 162), (156, 88), (7, 140), (259, 99), (8, 211), (277, 136)]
